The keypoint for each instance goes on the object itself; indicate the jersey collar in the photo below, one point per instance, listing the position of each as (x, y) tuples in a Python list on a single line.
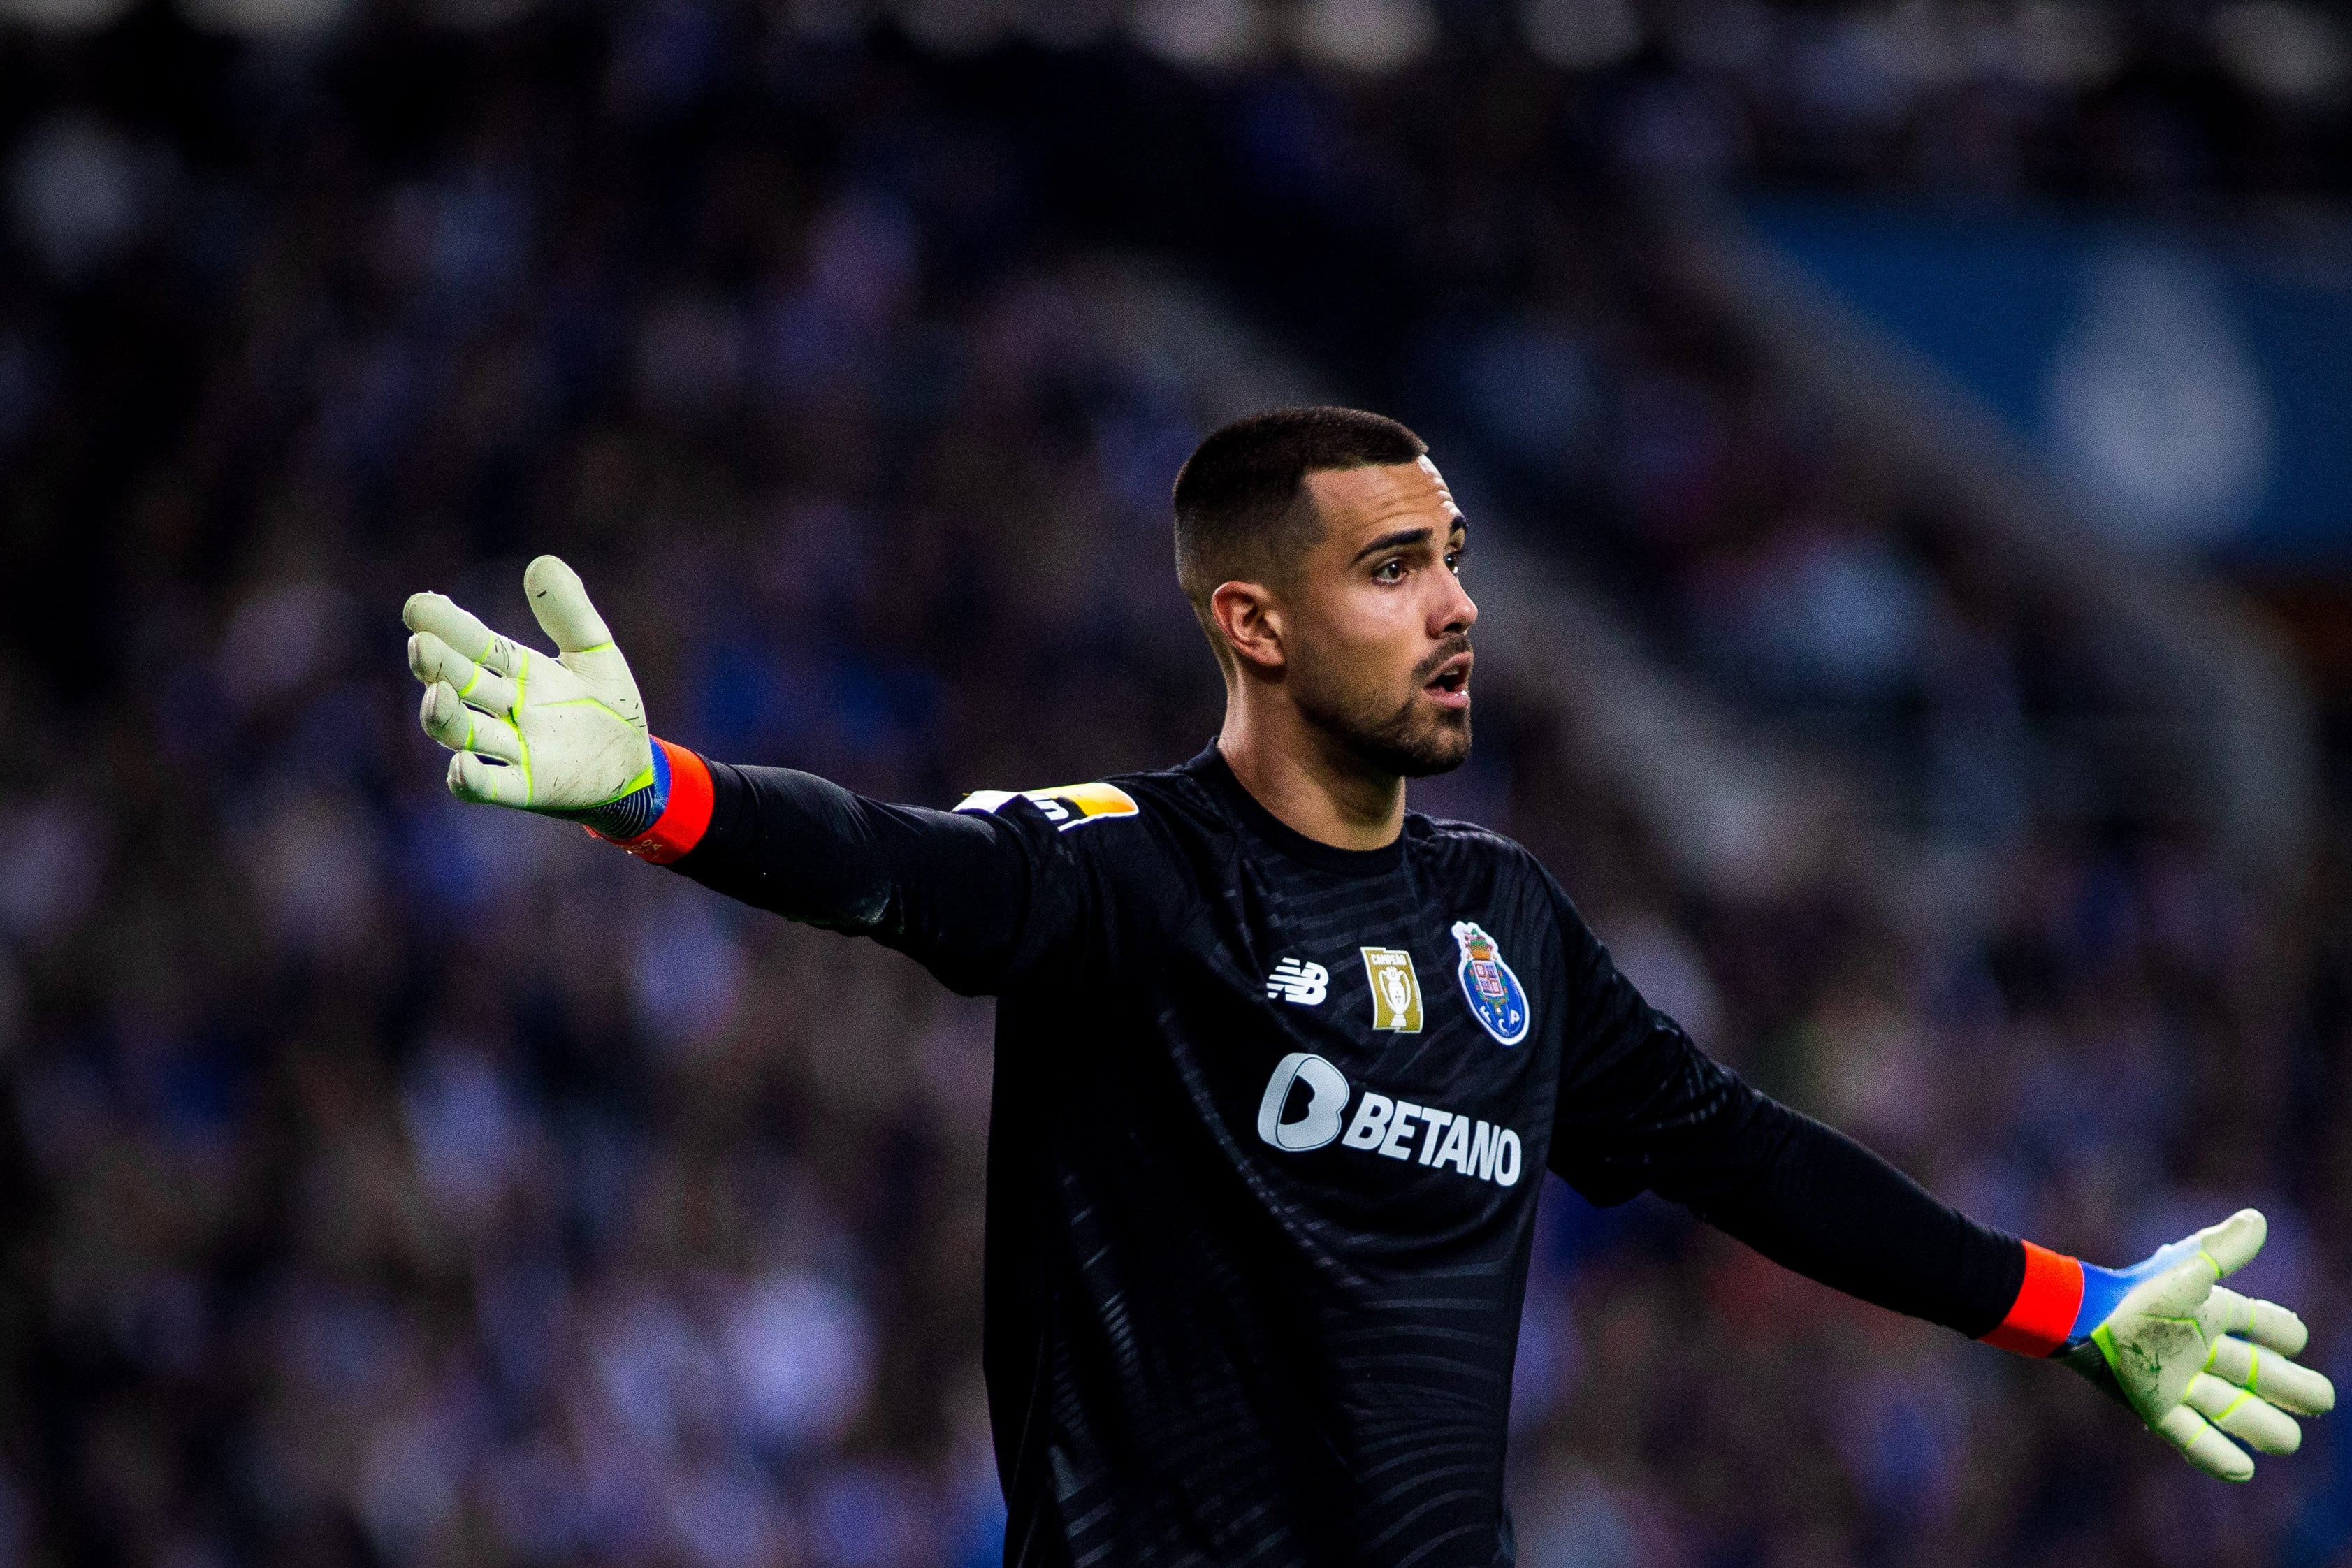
[(1212, 769)]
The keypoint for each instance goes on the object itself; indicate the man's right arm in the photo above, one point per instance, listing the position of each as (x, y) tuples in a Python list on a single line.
[(958, 891), (977, 896)]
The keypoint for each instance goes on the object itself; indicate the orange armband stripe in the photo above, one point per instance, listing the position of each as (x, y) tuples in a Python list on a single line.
[(2043, 1314), (687, 815)]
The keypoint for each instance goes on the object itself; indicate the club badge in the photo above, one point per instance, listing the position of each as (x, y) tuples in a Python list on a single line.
[(1493, 992)]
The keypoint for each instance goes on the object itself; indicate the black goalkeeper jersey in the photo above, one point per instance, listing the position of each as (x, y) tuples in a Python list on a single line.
[(1269, 1122)]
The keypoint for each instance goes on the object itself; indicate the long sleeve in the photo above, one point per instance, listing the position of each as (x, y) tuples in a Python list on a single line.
[(977, 898), (1643, 1107)]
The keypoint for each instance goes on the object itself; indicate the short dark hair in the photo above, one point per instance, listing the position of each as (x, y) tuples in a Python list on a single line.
[(1238, 512)]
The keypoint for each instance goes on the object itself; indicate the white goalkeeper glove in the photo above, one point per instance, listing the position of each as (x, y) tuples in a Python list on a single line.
[(2195, 1360), (564, 736)]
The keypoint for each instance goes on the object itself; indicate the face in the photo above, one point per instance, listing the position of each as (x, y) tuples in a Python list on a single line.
[(1377, 627)]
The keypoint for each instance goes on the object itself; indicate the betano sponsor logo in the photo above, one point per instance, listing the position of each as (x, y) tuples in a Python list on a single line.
[(1397, 1128)]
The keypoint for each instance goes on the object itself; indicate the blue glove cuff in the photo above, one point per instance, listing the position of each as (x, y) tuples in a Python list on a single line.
[(629, 816)]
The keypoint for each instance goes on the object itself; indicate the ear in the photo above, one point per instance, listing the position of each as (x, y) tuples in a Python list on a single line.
[(1250, 619)]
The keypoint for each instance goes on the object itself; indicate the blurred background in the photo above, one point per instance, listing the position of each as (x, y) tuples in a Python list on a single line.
[(1909, 449)]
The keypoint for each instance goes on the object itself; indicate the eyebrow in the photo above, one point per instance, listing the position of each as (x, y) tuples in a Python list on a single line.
[(1407, 536)]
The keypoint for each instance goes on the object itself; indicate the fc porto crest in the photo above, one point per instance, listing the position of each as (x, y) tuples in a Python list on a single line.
[(1496, 997)]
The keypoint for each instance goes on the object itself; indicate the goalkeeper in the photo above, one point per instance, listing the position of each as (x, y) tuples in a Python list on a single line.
[(1278, 1060)]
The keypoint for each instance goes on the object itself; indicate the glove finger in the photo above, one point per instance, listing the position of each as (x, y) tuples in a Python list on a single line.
[(2284, 1384), (459, 728), (487, 783), (2243, 1414), (459, 627), (2293, 1386), (430, 659), (2202, 1446), (560, 600), (2266, 1323), (2231, 1244), (446, 619)]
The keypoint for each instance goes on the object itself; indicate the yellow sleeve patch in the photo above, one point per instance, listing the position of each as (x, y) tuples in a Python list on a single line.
[(1065, 806)]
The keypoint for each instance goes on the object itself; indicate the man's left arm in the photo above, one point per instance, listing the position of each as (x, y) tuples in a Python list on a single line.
[(1641, 1107)]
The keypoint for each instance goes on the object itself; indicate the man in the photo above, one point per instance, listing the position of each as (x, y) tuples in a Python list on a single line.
[(1278, 1061)]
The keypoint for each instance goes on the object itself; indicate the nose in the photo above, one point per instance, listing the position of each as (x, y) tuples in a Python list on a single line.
[(1457, 611)]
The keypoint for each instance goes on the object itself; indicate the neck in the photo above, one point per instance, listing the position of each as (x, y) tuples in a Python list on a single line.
[(1308, 780)]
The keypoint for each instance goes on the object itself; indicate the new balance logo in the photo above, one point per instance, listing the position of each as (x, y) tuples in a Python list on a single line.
[(1302, 985)]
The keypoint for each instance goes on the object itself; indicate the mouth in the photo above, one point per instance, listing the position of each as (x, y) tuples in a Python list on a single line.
[(1450, 687)]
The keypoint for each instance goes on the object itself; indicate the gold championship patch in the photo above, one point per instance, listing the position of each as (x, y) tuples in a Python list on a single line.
[(1396, 989)]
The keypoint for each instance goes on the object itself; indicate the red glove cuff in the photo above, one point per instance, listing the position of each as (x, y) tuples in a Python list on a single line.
[(2043, 1314), (684, 819)]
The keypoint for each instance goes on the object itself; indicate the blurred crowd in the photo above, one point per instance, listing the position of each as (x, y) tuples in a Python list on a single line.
[(2139, 103), (393, 1182)]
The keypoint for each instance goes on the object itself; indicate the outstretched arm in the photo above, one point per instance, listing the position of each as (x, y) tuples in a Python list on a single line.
[(1641, 1107), (976, 896), (968, 894)]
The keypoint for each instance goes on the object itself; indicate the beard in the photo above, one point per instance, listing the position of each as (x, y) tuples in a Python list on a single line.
[(1412, 740)]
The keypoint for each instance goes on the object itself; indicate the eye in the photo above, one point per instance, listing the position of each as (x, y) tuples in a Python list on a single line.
[(1391, 571), (1454, 561)]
